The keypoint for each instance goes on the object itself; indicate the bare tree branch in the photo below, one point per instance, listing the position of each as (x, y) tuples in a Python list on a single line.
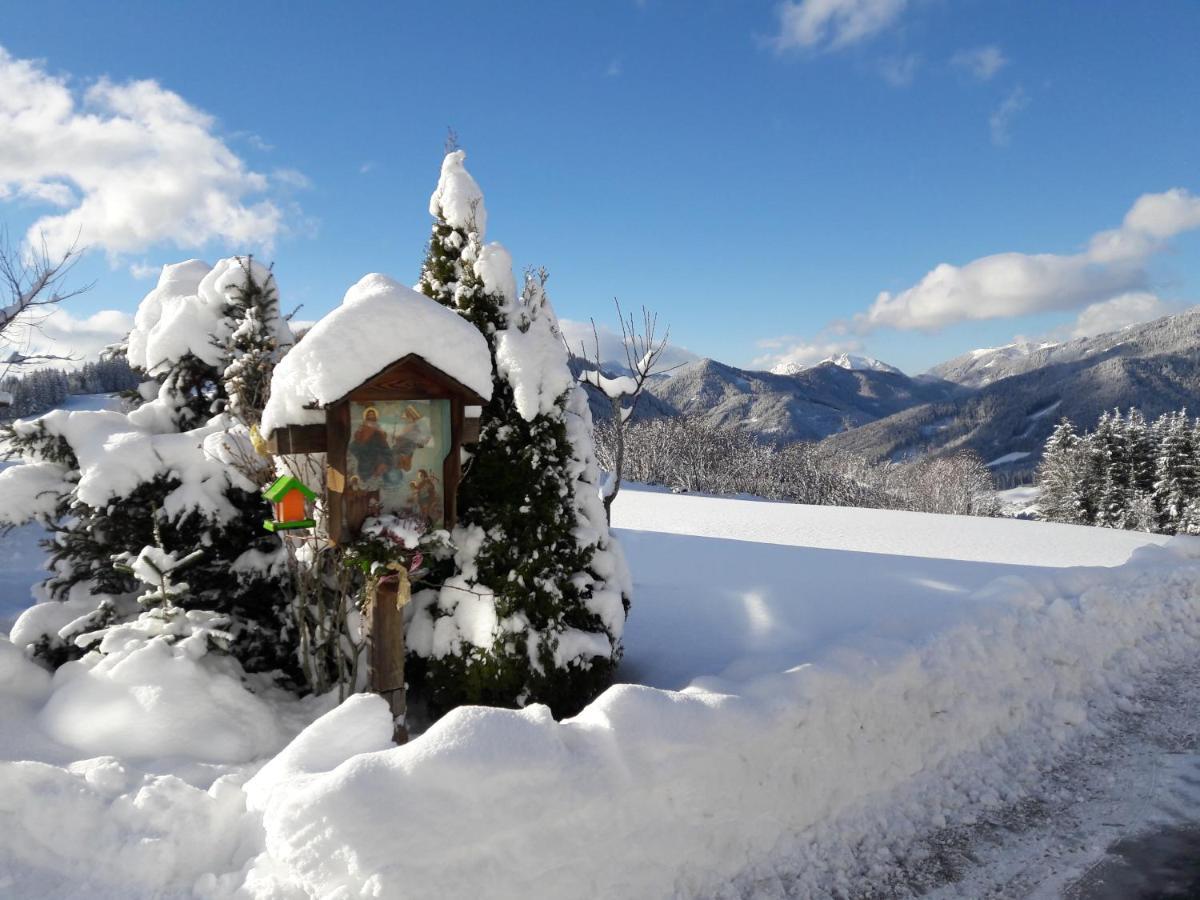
[(31, 285), (643, 356)]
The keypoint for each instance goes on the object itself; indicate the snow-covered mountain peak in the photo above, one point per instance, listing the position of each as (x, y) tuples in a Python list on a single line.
[(842, 360), (859, 363)]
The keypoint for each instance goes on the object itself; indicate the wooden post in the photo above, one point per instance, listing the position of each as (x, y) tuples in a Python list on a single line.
[(386, 624)]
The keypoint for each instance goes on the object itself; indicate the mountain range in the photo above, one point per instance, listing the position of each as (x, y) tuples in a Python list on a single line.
[(842, 360), (1001, 403), (1009, 412)]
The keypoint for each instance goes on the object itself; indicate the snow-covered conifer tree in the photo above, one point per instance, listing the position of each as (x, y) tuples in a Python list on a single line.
[(252, 335), (1175, 474), (1116, 488), (1059, 475), (535, 609), (110, 484)]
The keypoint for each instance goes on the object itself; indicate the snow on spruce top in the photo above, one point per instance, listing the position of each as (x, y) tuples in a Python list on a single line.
[(379, 322), (458, 199), (185, 313)]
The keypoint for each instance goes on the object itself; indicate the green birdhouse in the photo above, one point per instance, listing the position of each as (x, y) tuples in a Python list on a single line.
[(290, 498)]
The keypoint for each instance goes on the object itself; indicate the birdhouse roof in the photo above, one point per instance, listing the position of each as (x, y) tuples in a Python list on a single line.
[(379, 323), (286, 485)]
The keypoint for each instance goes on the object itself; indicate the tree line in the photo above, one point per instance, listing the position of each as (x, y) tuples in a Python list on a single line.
[(1126, 473), (685, 454), (44, 389)]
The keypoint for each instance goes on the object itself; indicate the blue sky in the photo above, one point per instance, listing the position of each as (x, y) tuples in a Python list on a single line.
[(758, 173)]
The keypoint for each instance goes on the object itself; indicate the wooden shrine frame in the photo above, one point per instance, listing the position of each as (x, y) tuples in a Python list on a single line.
[(410, 378)]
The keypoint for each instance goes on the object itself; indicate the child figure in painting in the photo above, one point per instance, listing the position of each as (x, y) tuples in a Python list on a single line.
[(425, 490)]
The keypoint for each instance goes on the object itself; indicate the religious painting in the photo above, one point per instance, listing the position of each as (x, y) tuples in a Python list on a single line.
[(395, 456)]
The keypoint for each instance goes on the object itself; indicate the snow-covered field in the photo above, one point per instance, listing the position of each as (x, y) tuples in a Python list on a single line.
[(741, 588), (1020, 501), (810, 691)]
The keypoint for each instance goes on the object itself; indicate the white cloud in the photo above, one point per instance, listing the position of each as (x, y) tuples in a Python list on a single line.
[(614, 69), (1014, 284), (1164, 215), (1119, 312), (133, 164), (612, 351), (54, 193), (1000, 121), (832, 24), (981, 62), (899, 71), (792, 353), (63, 334), (293, 178), (144, 271), (258, 143)]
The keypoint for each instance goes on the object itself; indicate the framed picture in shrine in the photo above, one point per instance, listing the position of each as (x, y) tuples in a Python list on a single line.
[(392, 447), (396, 455)]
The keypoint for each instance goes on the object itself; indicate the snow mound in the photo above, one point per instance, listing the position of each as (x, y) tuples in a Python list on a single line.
[(363, 724), (809, 771), (898, 686), (100, 829), (379, 322), (19, 677), (157, 699)]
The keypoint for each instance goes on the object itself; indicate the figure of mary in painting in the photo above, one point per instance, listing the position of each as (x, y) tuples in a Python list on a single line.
[(370, 446), (413, 434)]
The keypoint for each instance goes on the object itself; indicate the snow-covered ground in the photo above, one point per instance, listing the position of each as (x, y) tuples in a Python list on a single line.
[(1008, 458), (1019, 502), (742, 588), (811, 692)]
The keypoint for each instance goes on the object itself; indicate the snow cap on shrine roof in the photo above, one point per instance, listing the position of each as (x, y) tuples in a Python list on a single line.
[(379, 322)]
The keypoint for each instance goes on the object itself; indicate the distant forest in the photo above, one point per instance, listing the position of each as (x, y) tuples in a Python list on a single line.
[(37, 392), (688, 454), (1126, 473)]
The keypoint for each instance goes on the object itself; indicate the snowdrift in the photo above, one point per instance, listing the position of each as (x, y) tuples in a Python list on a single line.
[(817, 772), (807, 753)]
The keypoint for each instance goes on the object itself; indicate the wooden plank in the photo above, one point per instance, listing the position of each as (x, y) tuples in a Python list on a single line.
[(386, 660), (470, 433), (452, 465), (337, 423), (411, 378), (297, 439)]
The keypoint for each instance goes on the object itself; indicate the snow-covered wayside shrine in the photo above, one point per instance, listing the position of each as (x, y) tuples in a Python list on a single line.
[(807, 690)]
